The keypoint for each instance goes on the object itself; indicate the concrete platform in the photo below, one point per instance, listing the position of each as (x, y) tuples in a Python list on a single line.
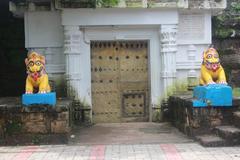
[(128, 133)]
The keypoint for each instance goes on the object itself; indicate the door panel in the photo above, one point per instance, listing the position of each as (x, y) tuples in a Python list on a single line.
[(119, 81)]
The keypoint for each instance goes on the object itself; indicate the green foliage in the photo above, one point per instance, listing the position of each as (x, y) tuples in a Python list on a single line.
[(178, 86), (13, 127), (36, 139), (227, 24), (157, 115), (235, 7), (236, 92), (224, 32), (107, 3)]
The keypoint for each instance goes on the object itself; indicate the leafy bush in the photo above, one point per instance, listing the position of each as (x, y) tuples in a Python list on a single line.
[(107, 3)]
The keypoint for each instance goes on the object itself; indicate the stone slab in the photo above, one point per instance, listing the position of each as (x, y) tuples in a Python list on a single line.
[(236, 119), (231, 134), (229, 129), (210, 140)]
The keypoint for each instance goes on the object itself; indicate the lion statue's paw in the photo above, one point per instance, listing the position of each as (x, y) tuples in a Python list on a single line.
[(28, 92), (222, 82), (209, 83), (42, 92)]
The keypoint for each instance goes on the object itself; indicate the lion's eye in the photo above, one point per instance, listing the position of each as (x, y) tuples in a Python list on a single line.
[(216, 56), (31, 63), (38, 63), (209, 56)]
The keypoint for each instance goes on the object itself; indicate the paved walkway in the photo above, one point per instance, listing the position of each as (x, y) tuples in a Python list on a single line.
[(133, 141), (183, 151)]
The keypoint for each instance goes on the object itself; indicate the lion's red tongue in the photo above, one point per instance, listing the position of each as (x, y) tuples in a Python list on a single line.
[(35, 76), (214, 67)]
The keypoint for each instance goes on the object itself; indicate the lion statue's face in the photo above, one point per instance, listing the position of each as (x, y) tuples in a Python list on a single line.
[(211, 59), (35, 64)]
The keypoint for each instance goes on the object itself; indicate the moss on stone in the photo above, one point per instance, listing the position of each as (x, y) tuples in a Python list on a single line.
[(236, 92), (157, 115), (13, 127)]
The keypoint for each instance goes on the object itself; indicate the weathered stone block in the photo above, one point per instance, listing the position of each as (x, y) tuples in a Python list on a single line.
[(236, 119), (35, 127), (230, 133), (197, 120), (16, 122), (215, 122), (59, 127), (1, 132), (210, 140), (33, 117), (63, 116)]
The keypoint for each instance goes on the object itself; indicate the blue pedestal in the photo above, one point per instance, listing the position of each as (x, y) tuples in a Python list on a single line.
[(216, 95), (39, 99)]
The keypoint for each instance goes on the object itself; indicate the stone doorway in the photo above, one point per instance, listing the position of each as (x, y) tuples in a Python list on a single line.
[(119, 81)]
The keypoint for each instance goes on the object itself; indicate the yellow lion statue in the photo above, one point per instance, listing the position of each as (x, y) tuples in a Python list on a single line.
[(211, 70), (37, 79)]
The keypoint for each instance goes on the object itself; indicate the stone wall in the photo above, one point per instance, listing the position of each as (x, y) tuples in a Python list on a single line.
[(21, 124), (195, 121)]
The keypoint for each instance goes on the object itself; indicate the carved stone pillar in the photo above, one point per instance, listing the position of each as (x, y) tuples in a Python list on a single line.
[(72, 51), (192, 74), (168, 49)]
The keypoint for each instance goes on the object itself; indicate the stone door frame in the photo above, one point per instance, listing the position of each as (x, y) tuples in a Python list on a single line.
[(162, 52)]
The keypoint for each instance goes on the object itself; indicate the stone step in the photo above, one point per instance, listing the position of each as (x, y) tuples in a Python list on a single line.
[(230, 134), (236, 119), (210, 140)]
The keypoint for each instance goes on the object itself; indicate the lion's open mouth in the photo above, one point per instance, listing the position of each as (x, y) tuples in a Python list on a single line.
[(37, 74), (215, 66), (212, 66)]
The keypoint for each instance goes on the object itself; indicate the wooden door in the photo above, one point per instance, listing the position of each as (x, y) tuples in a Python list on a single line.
[(119, 81)]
